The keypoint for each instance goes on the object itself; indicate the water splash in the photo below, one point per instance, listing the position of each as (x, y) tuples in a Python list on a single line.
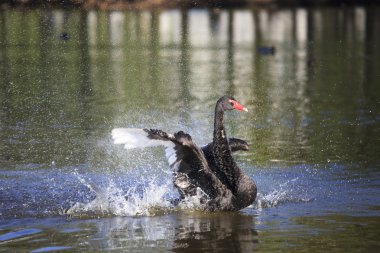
[(144, 190), (196, 202), (113, 200), (155, 197), (148, 190), (287, 192)]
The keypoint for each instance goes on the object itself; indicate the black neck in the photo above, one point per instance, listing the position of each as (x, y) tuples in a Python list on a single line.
[(218, 118), (225, 164)]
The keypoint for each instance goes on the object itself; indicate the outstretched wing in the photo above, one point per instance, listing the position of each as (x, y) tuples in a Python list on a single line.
[(179, 147), (139, 138), (191, 170)]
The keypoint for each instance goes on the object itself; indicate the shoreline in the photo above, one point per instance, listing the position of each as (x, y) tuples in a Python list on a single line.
[(157, 4)]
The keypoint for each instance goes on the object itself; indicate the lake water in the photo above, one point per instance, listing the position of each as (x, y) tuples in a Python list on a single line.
[(309, 77)]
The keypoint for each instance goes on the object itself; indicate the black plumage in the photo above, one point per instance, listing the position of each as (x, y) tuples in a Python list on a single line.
[(210, 173)]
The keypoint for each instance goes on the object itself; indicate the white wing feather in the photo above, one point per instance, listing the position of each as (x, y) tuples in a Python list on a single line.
[(136, 138)]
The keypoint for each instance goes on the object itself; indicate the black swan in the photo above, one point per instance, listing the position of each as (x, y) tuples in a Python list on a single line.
[(210, 173)]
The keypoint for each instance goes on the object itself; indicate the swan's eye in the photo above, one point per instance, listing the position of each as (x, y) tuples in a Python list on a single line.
[(232, 104)]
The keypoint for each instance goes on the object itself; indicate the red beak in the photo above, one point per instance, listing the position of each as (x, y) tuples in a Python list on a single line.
[(238, 106)]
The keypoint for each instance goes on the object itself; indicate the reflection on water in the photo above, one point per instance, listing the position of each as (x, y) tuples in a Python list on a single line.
[(179, 232), (308, 76), (190, 231), (324, 64)]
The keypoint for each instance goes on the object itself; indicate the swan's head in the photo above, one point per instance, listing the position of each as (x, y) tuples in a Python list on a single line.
[(230, 103)]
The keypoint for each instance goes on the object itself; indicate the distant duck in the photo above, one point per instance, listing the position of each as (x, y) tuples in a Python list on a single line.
[(209, 173), (64, 36), (265, 50)]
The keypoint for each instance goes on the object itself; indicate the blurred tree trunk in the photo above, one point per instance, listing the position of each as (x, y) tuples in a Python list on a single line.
[(115, 4)]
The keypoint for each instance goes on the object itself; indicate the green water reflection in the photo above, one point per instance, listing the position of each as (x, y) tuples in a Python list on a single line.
[(331, 233), (315, 100)]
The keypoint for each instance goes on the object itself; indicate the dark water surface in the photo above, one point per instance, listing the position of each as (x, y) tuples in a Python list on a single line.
[(68, 77)]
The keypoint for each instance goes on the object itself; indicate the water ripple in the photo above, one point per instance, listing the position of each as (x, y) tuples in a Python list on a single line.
[(20, 234)]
